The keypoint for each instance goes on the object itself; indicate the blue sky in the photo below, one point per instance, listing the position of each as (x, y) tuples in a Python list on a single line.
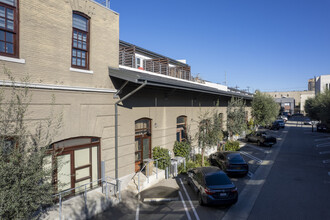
[(270, 45)]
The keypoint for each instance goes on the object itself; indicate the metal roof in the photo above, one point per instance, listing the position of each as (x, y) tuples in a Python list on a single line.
[(155, 79)]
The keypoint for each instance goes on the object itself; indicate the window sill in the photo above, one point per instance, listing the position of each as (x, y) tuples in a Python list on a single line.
[(81, 71), (11, 59)]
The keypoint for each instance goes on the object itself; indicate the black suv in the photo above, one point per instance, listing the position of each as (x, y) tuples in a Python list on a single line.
[(213, 186), (261, 138)]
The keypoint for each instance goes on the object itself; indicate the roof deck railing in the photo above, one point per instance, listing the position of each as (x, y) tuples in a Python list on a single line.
[(128, 59)]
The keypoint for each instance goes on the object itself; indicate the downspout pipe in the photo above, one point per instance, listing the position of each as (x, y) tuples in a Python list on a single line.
[(116, 125)]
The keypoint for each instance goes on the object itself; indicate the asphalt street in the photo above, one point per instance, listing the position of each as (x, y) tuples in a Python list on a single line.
[(298, 186)]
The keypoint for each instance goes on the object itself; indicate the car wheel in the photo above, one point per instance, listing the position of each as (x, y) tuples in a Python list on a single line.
[(200, 199)]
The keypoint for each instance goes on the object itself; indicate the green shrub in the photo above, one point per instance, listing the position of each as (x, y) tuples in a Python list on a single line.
[(190, 165), (159, 152), (181, 149), (232, 146), (198, 160)]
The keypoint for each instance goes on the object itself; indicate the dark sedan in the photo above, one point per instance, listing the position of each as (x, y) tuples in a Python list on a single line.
[(230, 162), (261, 138), (213, 186)]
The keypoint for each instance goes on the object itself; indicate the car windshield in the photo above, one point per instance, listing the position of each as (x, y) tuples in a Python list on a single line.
[(217, 179), (234, 158)]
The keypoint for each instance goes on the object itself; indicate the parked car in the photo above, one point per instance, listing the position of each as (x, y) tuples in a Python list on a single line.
[(213, 186), (321, 127), (307, 121), (281, 123), (274, 126), (284, 118), (261, 138), (230, 162)]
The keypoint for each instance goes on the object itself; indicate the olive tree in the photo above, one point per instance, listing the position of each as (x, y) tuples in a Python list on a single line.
[(318, 108), (264, 109), (209, 131), (236, 116), (25, 168)]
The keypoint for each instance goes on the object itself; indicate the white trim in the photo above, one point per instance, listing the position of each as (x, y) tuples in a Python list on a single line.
[(56, 87), (184, 206), (11, 59), (81, 71)]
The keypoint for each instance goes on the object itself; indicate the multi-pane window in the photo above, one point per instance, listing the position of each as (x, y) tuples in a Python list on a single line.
[(8, 28), (181, 128), (80, 41)]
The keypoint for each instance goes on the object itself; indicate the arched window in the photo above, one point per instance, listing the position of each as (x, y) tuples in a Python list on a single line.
[(142, 142), (79, 163), (80, 41), (181, 128)]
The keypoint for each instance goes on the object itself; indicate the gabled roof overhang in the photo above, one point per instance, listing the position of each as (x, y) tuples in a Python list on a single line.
[(154, 79)]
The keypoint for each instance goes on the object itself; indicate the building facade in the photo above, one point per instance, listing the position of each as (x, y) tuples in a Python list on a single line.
[(118, 100), (322, 83)]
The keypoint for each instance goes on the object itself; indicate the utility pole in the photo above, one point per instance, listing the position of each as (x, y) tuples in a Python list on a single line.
[(225, 78), (248, 88)]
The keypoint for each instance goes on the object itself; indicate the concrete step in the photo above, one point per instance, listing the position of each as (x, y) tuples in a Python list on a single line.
[(145, 182)]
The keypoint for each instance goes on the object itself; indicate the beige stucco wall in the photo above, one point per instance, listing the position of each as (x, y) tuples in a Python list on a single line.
[(45, 38), (163, 128)]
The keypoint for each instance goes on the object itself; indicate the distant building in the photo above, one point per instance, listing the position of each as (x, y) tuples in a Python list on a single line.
[(287, 104), (322, 83), (311, 84), (298, 96)]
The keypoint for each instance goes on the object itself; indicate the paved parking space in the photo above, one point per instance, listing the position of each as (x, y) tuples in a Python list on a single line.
[(254, 156)]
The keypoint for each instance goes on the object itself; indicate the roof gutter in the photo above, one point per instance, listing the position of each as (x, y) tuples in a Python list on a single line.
[(116, 121)]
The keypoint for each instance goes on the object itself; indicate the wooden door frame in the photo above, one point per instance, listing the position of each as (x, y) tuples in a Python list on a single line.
[(141, 137), (70, 150)]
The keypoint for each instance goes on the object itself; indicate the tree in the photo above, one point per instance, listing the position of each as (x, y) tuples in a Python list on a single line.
[(236, 116), (318, 108), (25, 168), (264, 109), (209, 131), (312, 108)]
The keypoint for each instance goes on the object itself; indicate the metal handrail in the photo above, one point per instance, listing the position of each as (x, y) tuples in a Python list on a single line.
[(117, 184), (145, 165)]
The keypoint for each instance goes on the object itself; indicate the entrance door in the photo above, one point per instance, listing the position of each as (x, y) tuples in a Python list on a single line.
[(142, 151), (142, 142), (79, 163), (64, 172)]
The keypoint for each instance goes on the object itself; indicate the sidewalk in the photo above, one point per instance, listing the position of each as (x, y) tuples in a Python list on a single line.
[(166, 190), (97, 203), (74, 208), (163, 191)]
